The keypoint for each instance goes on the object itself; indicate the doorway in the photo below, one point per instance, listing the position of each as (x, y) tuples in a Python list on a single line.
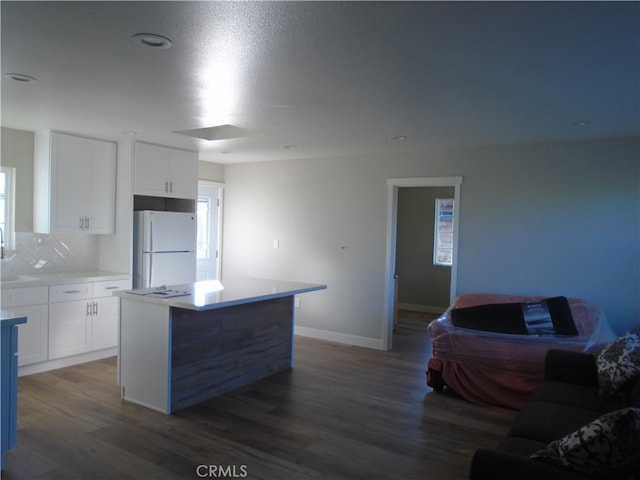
[(423, 260), (394, 184), (209, 248)]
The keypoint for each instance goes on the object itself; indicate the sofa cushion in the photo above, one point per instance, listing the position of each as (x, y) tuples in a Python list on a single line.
[(543, 316), (547, 421), (608, 443), (520, 446), (619, 363), (580, 396)]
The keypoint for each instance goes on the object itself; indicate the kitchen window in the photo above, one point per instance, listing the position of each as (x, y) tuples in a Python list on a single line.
[(7, 216), (443, 232)]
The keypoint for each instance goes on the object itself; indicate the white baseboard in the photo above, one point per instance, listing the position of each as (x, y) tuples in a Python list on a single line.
[(421, 308), (339, 337), (66, 362)]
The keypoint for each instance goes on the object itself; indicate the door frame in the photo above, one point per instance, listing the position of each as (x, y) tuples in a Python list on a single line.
[(393, 184)]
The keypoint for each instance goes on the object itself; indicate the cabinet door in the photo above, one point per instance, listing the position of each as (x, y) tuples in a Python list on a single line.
[(69, 328), (101, 180), (8, 388), (68, 183), (150, 175), (104, 329), (32, 336), (183, 174)]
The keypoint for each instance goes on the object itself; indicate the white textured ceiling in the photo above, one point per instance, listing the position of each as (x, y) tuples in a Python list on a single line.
[(330, 78)]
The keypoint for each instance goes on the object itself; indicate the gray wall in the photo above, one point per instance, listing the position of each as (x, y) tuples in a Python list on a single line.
[(539, 219), (423, 286)]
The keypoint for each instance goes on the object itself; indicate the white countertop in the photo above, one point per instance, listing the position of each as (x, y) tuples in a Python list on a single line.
[(40, 279), (208, 295), (8, 319)]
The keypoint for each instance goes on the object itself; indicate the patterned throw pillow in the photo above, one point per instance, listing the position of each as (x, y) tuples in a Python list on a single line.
[(619, 363), (594, 449)]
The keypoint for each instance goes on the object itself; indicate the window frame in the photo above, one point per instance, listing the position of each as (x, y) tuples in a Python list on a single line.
[(8, 226)]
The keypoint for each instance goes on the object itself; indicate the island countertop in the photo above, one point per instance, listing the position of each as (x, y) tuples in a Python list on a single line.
[(8, 319), (210, 294)]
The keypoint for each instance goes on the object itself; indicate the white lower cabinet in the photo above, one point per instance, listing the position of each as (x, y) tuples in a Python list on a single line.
[(32, 336), (69, 329), (65, 320), (106, 313), (85, 325)]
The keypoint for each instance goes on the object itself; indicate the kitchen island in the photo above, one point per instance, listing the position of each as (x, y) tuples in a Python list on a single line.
[(8, 379), (210, 338)]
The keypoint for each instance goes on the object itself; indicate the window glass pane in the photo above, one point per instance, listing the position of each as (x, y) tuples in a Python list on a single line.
[(203, 227), (443, 232)]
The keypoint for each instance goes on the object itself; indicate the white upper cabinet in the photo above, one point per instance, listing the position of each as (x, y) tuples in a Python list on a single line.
[(165, 172), (74, 184)]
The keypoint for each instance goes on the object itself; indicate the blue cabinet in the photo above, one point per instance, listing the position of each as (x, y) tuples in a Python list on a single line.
[(8, 380)]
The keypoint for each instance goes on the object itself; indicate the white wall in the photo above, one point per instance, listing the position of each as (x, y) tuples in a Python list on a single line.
[(548, 219), (17, 152)]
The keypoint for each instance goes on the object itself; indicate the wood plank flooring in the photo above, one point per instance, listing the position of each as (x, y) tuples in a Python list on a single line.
[(341, 413)]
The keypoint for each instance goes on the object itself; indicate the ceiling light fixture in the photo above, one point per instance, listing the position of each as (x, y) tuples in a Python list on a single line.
[(152, 40), (218, 132), (19, 77), (399, 138)]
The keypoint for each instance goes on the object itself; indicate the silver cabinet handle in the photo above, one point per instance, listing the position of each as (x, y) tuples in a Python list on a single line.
[(71, 291), (111, 288), (86, 223), (166, 186), (88, 309), (171, 186), (81, 223), (94, 310)]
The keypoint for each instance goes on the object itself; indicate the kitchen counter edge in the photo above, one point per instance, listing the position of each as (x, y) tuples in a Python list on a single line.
[(46, 279), (190, 301)]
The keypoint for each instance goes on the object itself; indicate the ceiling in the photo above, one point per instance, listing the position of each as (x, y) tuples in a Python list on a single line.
[(324, 79)]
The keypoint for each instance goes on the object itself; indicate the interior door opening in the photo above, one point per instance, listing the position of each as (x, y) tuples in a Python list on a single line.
[(427, 186), (209, 231)]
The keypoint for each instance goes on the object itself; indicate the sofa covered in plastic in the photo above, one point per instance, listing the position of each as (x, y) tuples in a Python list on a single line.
[(502, 369)]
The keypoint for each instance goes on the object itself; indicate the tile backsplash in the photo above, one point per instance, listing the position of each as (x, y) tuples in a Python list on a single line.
[(57, 253)]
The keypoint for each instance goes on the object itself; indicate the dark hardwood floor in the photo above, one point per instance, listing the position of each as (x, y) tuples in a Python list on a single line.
[(341, 413)]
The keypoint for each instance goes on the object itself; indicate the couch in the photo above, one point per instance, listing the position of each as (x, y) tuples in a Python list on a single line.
[(582, 421), (502, 369)]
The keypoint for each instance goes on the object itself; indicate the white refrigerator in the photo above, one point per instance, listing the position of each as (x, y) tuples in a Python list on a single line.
[(164, 248)]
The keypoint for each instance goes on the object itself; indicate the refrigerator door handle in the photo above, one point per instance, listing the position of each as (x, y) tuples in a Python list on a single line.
[(150, 234), (150, 276)]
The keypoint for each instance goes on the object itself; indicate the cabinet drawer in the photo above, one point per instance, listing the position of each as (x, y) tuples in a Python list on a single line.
[(70, 291), (107, 287), (17, 297)]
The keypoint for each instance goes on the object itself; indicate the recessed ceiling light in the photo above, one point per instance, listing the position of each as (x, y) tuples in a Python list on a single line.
[(19, 77), (581, 123), (289, 147), (152, 40), (399, 138)]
